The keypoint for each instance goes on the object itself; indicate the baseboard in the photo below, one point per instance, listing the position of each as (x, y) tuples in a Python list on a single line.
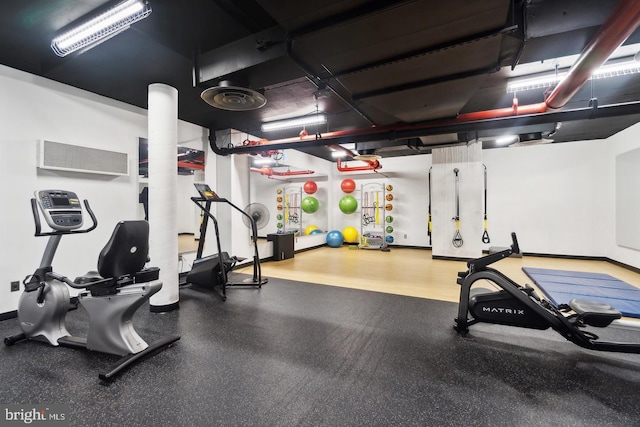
[(9, 315), (559, 256), (623, 265), (450, 258)]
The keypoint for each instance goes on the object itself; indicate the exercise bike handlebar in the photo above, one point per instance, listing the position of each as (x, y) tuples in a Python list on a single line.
[(39, 233)]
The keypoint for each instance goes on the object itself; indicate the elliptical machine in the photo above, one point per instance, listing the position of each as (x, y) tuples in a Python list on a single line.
[(111, 295), (520, 306)]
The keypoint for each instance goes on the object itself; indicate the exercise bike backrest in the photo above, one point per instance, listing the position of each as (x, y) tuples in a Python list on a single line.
[(127, 251)]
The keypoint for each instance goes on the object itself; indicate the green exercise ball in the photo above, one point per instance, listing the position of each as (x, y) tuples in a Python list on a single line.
[(348, 204), (309, 204)]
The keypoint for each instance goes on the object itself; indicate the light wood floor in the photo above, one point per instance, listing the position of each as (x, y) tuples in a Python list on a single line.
[(411, 272), (187, 243), (403, 271)]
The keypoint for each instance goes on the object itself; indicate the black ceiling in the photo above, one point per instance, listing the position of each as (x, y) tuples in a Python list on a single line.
[(368, 63)]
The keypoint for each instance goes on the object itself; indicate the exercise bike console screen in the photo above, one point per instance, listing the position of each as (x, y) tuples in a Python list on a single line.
[(61, 209)]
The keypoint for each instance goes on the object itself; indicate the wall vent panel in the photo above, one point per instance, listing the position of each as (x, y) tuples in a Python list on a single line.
[(75, 158)]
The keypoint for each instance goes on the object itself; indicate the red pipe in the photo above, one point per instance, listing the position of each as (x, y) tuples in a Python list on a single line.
[(189, 165), (372, 165), (623, 21), (267, 171)]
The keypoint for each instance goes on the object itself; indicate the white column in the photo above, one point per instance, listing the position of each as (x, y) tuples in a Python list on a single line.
[(163, 176)]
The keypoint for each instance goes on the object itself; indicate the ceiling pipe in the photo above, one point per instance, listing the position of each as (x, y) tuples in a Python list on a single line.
[(440, 127), (190, 165), (623, 21), (372, 165), (268, 171)]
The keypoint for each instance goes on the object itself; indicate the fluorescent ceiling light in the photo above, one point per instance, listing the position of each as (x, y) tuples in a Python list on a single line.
[(100, 28), (338, 154), (317, 119), (538, 82), (507, 139), (262, 161), (550, 80)]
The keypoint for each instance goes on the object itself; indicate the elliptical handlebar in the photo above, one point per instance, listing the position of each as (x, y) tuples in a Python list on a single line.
[(39, 233)]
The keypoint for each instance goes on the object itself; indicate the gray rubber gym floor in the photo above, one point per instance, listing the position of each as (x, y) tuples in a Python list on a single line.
[(313, 355)]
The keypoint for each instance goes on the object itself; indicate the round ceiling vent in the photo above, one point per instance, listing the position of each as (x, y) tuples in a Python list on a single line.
[(233, 98)]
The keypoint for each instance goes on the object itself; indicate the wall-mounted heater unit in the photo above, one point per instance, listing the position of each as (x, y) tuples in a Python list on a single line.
[(75, 158)]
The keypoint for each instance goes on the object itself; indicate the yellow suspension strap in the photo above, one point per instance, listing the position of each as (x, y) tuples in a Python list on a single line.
[(485, 235), (457, 238), (377, 207), (286, 208)]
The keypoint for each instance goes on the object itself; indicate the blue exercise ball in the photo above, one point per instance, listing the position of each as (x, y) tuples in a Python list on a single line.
[(335, 239), (389, 239), (316, 231)]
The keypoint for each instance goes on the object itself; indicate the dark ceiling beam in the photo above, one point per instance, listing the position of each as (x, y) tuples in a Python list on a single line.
[(247, 13), (424, 51), (440, 127), (247, 52), (349, 15), (425, 82), (321, 84)]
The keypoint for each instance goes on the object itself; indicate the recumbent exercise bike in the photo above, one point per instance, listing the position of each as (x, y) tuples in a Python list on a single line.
[(516, 305), (111, 295)]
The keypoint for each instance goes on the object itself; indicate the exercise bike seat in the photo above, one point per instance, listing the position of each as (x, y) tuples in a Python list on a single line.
[(121, 262), (594, 313)]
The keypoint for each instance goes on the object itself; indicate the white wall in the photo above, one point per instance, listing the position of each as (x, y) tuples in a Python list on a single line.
[(559, 198), (627, 140), (554, 196), (31, 109)]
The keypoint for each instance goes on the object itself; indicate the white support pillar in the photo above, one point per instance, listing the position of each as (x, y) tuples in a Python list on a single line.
[(163, 175)]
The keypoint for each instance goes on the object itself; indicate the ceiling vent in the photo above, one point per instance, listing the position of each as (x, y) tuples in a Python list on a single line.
[(228, 97), (533, 138), (368, 154)]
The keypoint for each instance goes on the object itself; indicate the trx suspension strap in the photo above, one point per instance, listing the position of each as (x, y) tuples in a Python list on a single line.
[(457, 238), (429, 226), (485, 235)]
